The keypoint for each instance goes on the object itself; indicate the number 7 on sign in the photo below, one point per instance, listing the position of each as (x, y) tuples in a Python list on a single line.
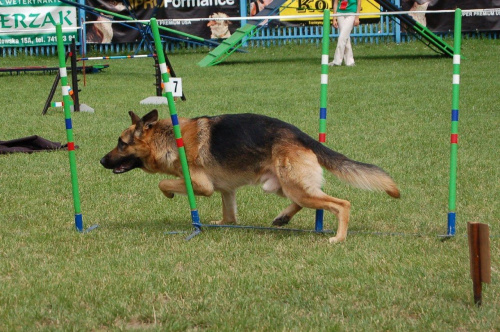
[(176, 86)]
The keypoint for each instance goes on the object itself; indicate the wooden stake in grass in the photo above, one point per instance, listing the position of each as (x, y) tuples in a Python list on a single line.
[(480, 261)]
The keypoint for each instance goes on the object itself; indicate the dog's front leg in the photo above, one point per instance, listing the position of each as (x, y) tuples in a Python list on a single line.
[(202, 186), (171, 187), (228, 208)]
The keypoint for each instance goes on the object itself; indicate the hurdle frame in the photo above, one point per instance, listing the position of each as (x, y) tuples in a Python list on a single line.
[(138, 56), (77, 107)]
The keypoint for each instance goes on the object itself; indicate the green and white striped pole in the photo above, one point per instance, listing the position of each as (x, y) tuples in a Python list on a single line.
[(67, 101), (323, 97), (175, 122), (454, 123)]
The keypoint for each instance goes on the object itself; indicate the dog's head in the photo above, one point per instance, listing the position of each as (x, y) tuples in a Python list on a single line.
[(133, 144)]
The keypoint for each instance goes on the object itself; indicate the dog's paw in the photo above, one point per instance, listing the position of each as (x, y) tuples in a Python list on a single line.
[(281, 221), (168, 194), (336, 239)]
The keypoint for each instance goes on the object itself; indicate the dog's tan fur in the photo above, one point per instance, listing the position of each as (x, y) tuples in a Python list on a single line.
[(284, 161)]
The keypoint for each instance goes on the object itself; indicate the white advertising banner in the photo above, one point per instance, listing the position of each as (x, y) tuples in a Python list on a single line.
[(32, 22)]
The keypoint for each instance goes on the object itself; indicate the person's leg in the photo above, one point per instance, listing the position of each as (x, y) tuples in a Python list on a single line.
[(348, 56), (341, 41)]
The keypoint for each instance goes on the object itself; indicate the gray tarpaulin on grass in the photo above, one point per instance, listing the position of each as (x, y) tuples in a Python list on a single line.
[(29, 144)]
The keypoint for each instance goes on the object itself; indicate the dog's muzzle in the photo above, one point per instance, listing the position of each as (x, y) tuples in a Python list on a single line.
[(121, 165)]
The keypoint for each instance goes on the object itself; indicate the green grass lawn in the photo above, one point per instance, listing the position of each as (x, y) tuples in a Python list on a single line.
[(393, 273)]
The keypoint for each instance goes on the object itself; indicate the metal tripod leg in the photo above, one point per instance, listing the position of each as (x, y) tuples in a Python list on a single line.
[(197, 231)]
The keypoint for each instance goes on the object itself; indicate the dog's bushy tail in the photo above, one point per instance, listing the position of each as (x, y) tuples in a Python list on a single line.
[(358, 174)]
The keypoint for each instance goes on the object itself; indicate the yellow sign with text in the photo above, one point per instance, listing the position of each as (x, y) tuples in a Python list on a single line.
[(312, 7)]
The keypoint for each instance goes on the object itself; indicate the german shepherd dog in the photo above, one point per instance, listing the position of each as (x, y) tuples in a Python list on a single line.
[(229, 151)]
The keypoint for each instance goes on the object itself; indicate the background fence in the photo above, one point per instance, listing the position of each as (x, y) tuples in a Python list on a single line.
[(387, 30)]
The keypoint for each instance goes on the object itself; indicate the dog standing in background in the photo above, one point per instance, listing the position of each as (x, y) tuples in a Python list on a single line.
[(219, 29), (229, 151)]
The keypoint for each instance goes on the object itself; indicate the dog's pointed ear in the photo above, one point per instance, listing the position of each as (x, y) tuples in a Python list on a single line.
[(150, 117), (135, 118), (146, 123)]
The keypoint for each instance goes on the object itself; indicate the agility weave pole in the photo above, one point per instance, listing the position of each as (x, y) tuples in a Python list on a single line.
[(69, 128), (454, 123), (195, 218), (323, 97)]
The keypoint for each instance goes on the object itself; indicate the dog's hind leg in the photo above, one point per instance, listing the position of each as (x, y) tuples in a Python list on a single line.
[(301, 178), (286, 215), (343, 207), (228, 208), (321, 201)]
